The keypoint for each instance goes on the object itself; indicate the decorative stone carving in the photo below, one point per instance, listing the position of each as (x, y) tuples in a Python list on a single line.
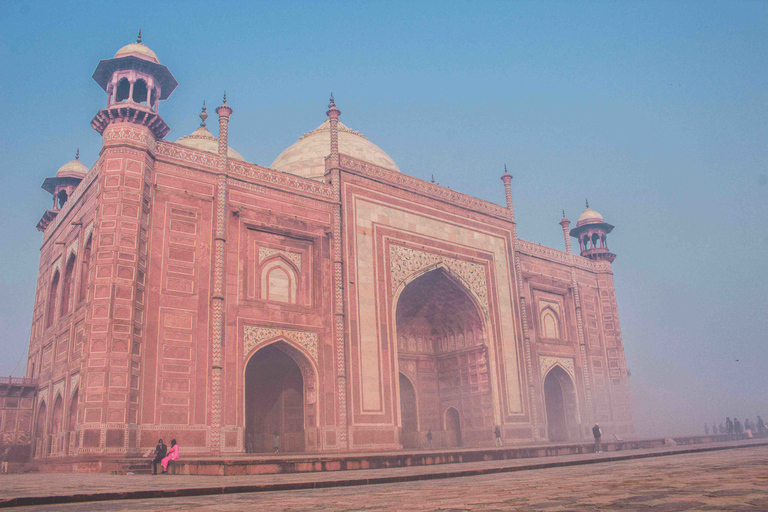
[(547, 362), (266, 252), (404, 261), (58, 389), (550, 254), (255, 336)]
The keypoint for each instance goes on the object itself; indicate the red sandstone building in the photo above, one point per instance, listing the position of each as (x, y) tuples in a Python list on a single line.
[(185, 293)]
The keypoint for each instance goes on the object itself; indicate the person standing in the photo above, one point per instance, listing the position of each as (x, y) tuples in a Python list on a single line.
[(737, 426), (497, 435), (729, 426), (429, 438), (249, 442), (760, 425), (161, 450), (598, 434), (4, 457), (706, 429), (173, 454), (275, 441)]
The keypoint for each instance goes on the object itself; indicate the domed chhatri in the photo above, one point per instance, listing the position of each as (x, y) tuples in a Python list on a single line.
[(307, 156), (591, 231), (135, 82), (203, 140), (139, 50), (61, 187)]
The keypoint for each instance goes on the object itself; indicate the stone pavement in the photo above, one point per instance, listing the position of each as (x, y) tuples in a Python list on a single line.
[(732, 479)]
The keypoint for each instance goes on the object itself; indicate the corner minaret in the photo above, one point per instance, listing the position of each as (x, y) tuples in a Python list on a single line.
[(507, 179), (591, 231), (135, 82), (565, 223)]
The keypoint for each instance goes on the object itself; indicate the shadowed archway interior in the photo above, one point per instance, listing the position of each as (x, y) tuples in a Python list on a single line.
[(442, 352), (274, 402), (560, 402)]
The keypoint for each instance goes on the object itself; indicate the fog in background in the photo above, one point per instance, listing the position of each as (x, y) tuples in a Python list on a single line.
[(656, 112)]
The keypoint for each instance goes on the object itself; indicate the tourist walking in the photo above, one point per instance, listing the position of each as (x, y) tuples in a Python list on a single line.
[(275, 441), (4, 461), (497, 435), (173, 454), (161, 450), (598, 434)]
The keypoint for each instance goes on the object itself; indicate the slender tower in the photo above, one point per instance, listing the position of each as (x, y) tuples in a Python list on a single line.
[(591, 231), (130, 125)]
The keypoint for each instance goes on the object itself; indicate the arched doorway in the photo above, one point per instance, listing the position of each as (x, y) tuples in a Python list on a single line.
[(274, 402), (56, 424), (441, 341), (560, 402), (71, 441), (452, 427), (408, 413), (40, 430)]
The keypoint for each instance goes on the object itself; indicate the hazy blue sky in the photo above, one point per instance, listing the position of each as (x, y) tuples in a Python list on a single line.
[(657, 112)]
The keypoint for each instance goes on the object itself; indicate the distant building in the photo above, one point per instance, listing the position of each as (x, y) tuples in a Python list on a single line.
[(186, 293)]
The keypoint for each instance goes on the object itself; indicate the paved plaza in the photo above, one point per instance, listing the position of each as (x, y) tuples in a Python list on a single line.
[(728, 480)]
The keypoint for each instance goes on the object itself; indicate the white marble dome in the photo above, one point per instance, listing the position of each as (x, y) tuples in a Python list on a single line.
[(589, 216), (203, 140), (139, 50), (72, 169), (307, 156)]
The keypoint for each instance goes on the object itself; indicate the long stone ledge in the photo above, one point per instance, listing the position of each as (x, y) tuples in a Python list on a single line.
[(119, 488)]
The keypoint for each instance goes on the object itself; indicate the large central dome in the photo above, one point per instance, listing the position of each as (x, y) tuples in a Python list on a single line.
[(307, 156)]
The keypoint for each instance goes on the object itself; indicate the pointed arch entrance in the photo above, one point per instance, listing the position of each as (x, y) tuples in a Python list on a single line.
[(279, 399), (560, 404), (442, 349), (408, 413)]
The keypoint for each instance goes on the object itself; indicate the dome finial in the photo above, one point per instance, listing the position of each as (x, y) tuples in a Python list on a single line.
[(203, 116), (332, 102), (138, 39), (587, 203), (77, 155), (563, 213), (225, 97)]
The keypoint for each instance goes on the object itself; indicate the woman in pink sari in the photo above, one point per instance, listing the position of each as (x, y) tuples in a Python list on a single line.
[(173, 454)]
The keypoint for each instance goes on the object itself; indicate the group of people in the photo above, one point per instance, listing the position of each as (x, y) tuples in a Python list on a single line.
[(164, 455), (734, 426)]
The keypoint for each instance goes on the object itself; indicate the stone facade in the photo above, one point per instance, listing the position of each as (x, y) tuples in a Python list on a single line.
[(184, 293)]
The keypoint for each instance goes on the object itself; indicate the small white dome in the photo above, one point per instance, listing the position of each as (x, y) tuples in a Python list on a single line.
[(589, 216), (72, 169), (203, 140), (307, 156), (139, 50)]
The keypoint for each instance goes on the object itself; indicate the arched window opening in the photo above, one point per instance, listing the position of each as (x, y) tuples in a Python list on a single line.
[(72, 420), (84, 268), (69, 278), (140, 91), (62, 198), (595, 239), (549, 324), (123, 90), (278, 282), (52, 293)]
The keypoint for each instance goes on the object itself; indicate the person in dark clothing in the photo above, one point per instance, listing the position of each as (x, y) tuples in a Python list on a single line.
[(737, 426), (429, 438), (160, 452), (706, 429), (598, 434), (497, 435), (4, 457), (760, 425), (729, 426)]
